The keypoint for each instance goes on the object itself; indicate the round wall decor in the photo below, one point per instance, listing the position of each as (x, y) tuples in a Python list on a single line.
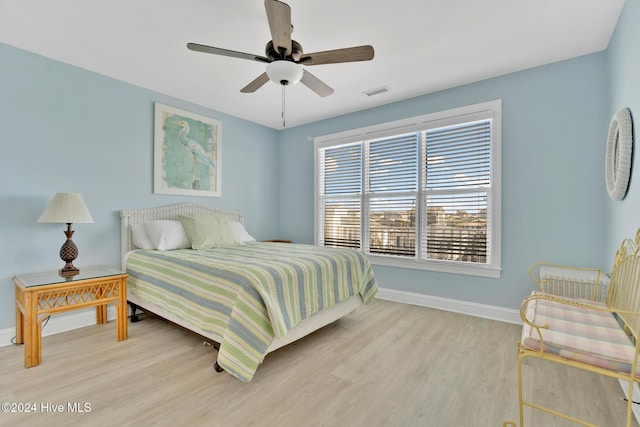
[(619, 150)]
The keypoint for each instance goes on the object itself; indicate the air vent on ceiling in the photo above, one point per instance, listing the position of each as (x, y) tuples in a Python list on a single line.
[(377, 91)]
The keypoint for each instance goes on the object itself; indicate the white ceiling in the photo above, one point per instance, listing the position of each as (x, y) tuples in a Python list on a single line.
[(421, 46)]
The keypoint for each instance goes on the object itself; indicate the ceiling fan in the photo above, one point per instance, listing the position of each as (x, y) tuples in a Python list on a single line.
[(285, 56)]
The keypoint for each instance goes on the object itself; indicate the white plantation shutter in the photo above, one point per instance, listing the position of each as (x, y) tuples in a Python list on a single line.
[(341, 185), (416, 193), (392, 186), (458, 184)]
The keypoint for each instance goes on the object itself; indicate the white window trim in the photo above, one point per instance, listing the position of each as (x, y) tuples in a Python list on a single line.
[(490, 109)]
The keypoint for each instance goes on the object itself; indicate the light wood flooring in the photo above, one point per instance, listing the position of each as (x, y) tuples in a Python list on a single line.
[(387, 364)]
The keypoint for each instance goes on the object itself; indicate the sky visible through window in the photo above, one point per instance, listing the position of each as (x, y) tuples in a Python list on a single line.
[(456, 158)]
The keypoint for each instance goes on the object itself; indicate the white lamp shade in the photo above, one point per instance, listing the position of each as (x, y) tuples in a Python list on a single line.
[(284, 71), (66, 208)]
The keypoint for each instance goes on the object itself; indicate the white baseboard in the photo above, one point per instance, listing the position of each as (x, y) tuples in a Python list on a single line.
[(636, 397), (61, 323), (457, 306)]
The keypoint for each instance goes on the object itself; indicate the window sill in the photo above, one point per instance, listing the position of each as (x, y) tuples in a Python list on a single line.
[(443, 267)]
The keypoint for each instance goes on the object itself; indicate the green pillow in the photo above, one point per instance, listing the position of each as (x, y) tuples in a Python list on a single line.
[(209, 230)]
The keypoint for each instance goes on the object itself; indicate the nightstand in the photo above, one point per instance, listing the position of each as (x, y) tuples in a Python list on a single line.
[(43, 294)]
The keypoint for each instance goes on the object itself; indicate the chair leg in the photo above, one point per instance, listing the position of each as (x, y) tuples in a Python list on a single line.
[(630, 403), (520, 401)]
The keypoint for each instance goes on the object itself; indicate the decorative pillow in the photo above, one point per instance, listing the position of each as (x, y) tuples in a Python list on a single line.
[(166, 235), (241, 232), (140, 238), (209, 230)]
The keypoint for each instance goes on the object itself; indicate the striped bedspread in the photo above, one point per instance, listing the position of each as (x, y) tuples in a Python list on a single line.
[(249, 294)]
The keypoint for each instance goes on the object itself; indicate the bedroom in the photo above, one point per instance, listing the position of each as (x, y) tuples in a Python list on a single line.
[(68, 129)]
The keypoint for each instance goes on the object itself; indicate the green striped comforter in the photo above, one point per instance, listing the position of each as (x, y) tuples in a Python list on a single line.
[(249, 294)]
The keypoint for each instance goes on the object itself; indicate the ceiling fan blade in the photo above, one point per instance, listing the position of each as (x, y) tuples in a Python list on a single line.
[(279, 16), (256, 84), (225, 52), (315, 84), (349, 54)]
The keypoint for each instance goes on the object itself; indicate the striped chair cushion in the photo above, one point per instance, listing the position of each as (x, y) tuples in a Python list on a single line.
[(580, 334)]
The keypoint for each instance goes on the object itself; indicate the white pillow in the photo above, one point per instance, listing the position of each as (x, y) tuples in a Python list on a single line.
[(241, 232), (139, 236), (166, 235)]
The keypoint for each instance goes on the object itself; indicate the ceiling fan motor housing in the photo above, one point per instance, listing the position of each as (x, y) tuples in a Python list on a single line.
[(274, 55)]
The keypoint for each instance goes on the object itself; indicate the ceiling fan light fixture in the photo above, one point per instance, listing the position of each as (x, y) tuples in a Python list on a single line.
[(284, 72)]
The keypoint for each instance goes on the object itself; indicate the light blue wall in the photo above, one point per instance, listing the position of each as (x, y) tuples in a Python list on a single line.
[(623, 59), (64, 129), (554, 124)]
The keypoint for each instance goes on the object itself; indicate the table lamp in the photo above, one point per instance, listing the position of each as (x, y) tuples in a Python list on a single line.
[(67, 208)]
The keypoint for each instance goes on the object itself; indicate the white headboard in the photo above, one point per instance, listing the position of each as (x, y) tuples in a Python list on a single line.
[(169, 212)]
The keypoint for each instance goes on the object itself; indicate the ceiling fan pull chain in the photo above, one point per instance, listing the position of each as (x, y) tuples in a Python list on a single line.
[(283, 108)]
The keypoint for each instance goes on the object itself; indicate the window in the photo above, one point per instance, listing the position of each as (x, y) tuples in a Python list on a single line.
[(420, 193)]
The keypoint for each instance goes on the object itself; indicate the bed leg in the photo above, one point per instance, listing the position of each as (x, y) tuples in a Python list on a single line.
[(134, 317), (217, 367)]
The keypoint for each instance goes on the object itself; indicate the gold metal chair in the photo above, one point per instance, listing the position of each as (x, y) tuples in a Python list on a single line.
[(609, 343)]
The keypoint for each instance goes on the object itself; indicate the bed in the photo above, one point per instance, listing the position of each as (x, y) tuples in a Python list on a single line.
[(249, 298)]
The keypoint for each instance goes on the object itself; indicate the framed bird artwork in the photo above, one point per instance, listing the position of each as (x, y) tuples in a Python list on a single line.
[(187, 153)]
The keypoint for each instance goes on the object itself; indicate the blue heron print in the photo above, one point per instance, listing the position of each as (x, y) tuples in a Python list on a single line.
[(200, 157), (187, 153)]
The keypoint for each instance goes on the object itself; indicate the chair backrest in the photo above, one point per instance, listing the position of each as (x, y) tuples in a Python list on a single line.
[(624, 287)]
